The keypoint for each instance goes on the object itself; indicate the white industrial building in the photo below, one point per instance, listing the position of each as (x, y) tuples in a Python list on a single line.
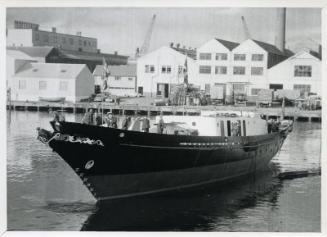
[(301, 71), (160, 69), (34, 81), (238, 68), (120, 80)]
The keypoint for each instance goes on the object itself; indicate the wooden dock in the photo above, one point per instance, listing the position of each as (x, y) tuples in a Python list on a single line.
[(135, 109)]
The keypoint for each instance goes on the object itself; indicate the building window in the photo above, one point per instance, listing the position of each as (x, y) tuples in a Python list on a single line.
[(55, 39), (117, 78), (180, 69), (302, 88), (205, 69), (220, 70), (42, 85), (149, 68), (37, 36), (63, 86), (46, 38), (205, 56), (84, 43), (239, 70), (64, 40), (166, 69), (80, 42), (71, 41), (257, 57), (302, 71), (89, 43), (221, 56), (22, 84), (256, 71), (239, 57), (255, 91)]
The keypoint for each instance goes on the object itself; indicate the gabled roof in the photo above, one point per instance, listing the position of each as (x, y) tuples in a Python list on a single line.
[(50, 70), (36, 51), (169, 49), (188, 52), (18, 54), (315, 54), (128, 70), (228, 44), (270, 48)]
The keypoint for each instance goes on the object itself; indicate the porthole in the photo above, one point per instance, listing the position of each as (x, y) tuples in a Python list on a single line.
[(122, 134), (89, 164)]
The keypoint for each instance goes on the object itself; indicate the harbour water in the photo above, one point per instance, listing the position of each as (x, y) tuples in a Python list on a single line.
[(45, 194)]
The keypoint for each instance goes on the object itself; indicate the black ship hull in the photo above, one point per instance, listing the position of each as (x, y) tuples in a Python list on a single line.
[(115, 163)]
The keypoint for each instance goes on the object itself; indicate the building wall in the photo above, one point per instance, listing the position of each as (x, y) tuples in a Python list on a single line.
[(64, 41), (250, 48), (84, 86), (29, 37), (12, 66), (122, 86), (163, 57), (20, 37), (32, 92), (283, 73), (213, 47)]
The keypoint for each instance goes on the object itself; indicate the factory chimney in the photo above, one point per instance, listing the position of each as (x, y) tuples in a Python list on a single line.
[(280, 29)]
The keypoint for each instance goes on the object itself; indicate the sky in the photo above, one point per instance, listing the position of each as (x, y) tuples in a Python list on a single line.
[(124, 29)]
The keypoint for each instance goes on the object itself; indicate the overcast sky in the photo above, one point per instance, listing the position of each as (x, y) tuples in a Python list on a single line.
[(124, 29)]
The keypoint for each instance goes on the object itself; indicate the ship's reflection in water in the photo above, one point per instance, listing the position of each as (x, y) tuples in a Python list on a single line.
[(193, 210)]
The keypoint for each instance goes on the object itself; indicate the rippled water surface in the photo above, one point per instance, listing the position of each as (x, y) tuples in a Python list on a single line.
[(45, 194)]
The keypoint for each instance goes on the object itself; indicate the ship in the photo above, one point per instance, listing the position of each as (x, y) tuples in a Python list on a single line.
[(191, 151)]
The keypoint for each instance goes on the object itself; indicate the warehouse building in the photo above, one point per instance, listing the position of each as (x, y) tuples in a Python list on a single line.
[(301, 71), (50, 81), (236, 68), (49, 54), (119, 80), (161, 69), (25, 34)]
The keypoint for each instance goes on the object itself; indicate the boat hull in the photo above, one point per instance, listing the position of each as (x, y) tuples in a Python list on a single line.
[(129, 166)]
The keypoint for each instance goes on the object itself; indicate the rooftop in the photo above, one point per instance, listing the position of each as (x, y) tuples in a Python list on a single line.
[(36, 51), (18, 54), (88, 56), (128, 70), (50, 70), (228, 44), (272, 48)]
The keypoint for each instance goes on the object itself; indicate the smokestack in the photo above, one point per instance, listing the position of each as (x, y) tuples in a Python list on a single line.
[(280, 29)]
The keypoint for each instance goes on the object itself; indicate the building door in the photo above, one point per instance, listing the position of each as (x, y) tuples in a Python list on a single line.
[(207, 89), (276, 86), (163, 90), (140, 90)]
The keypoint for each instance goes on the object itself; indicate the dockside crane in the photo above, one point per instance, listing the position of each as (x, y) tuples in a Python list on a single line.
[(146, 44), (247, 34)]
